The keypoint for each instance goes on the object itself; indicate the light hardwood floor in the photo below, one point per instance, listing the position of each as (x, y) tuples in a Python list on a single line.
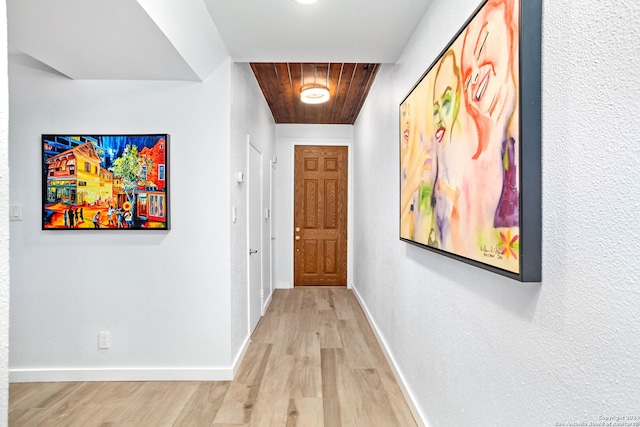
[(313, 361)]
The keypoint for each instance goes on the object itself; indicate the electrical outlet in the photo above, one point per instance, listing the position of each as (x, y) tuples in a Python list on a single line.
[(104, 340)]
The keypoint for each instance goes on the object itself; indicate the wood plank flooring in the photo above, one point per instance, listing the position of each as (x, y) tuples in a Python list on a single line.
[(313, 361)]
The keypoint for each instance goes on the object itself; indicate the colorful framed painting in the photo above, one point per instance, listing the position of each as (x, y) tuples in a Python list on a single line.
[(105, 182), (470, 145)]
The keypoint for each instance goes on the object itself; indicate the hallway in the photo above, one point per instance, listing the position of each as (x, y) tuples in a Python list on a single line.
[(313, 361)]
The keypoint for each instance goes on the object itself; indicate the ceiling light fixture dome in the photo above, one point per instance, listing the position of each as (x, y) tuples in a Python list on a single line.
[(305, 2), (314, 95)]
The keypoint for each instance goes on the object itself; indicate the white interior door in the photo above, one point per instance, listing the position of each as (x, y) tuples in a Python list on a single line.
[(255, 236), (272, 231)]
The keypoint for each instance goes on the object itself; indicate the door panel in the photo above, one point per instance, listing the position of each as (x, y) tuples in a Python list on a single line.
[(331, 204), (320, 254), (311, 203), (330, 250)]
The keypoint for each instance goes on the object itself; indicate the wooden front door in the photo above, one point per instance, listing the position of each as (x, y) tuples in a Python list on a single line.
[(320, 217)]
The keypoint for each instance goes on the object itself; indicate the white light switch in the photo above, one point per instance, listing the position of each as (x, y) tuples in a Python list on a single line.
[(104, 340), (15, 212)]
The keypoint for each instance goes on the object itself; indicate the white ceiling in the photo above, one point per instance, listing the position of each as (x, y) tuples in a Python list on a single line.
[(188, 39)]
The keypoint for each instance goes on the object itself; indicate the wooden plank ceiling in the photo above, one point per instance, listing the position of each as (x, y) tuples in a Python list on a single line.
[(281, 84)]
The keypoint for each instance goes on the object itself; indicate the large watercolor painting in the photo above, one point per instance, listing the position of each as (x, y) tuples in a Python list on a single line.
[(460, 144), (97, 182)]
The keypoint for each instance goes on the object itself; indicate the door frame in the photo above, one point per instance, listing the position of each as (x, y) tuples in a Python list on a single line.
[(272, 231), (291, 233), (250, 146)]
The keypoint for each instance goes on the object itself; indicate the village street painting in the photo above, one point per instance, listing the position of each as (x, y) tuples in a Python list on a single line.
[(105, 182)]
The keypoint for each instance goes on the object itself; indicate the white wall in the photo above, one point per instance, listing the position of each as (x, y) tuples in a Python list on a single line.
[(163, 295), (250, 116), (289, 135), (477, 349), (4, 218)]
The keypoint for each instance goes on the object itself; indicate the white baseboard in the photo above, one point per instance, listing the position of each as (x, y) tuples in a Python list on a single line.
[(408, 395), (245, 347), (240, 356), (120, 374), (265, 306)]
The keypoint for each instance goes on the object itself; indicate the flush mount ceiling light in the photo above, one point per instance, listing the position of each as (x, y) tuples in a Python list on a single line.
[(305, 2), (314, 95)]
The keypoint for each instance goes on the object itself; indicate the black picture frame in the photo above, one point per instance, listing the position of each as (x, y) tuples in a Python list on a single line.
[(448, 109), (105, 182)]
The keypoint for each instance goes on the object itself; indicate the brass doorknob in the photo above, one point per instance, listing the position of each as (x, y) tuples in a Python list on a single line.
[(297, 237), (297, 229)]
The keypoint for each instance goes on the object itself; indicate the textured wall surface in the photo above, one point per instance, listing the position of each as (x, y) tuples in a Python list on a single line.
[(477, 349), (250, 115), (4, 218), (164, 296)]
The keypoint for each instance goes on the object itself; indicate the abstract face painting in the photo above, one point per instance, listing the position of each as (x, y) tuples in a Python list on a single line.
[(459, 145), (488, 69), (446, 98)]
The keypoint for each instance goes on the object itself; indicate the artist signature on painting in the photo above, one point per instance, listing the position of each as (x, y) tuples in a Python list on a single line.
[(491, 251)]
